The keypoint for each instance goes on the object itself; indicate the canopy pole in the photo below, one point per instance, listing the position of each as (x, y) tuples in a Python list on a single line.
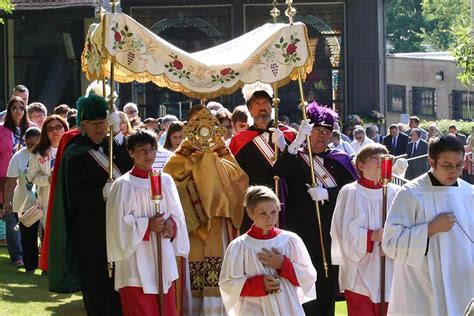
[(276, 101), (290, 12), (275, 13), (111, 109), (303, 105)]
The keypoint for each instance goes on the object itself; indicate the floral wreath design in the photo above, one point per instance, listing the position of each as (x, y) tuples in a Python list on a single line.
[(176, 67), (283, 53), (120, 36), (226, 74), (130, 47), (90, 55), (127, 41)]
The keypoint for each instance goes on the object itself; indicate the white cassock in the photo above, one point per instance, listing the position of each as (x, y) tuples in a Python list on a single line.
[(241, 262), (129, 207), (442, 281), (359, 209)]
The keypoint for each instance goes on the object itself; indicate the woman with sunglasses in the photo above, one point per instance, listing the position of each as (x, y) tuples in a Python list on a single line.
[(12, 138), (43, 155)]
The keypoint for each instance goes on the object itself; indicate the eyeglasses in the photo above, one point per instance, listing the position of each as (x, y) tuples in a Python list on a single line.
[(450, 167), (51, 129), (132, 111), (321, 131), (18, 109)]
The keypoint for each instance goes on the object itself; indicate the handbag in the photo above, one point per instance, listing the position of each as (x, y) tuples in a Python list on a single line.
[(34, 210), (32, 215)]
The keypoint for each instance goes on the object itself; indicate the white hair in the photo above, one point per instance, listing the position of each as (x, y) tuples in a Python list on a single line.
[(130, 105), (214, 106)]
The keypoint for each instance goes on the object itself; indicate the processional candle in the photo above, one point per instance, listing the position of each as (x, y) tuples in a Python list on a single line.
[(155, 185), (386, 162)]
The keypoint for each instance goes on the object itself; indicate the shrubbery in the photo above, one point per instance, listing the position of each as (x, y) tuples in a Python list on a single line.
[(443, 126)]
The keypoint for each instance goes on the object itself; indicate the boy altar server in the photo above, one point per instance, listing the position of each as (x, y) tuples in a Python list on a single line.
[(429, 233), (356, 233), (132, 225), (266, 271)]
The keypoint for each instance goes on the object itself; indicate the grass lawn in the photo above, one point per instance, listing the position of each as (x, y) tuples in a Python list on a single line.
[(24, 294), (27, 294)]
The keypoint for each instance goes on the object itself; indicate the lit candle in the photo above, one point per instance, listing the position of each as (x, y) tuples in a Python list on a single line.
[(386, 167), (155, 185)]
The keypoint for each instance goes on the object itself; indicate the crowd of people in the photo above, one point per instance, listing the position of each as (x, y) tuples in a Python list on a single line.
[(247, 217)]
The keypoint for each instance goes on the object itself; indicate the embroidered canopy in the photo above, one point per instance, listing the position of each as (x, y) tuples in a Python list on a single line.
[(272, 53)]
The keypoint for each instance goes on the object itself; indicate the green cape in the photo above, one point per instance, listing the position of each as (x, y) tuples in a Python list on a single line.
[(63, 270)]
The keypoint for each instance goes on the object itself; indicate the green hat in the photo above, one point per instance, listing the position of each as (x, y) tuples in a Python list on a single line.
[(91, 108)]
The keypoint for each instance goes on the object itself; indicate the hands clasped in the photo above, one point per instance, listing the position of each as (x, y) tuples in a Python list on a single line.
[(161, 225), (272, 259)]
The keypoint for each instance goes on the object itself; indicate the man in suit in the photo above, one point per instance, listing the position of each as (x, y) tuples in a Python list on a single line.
[(417, 147), (415, 123), (396, 142), (454, 131)]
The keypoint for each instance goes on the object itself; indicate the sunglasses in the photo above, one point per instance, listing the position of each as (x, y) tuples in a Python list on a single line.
[(18, 109), (51, 129)]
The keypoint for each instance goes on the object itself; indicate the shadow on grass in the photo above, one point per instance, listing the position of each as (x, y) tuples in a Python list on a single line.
[(74, 308), (27, 294)]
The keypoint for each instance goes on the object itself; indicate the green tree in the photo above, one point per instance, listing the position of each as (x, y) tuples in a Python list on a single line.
[(444, 18), (405, 25), (6, 6), (464, 54)]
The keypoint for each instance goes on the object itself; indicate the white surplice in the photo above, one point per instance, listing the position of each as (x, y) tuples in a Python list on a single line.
[(241, 262), (359, 209), (129, 207), (442, 281)]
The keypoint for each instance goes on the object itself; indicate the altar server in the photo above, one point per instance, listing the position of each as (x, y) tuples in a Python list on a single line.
[(429, 233), (266, 271), (132, 228), (356, 233)]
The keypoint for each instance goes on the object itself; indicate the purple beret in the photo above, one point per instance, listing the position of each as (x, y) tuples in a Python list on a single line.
[(321, 115)]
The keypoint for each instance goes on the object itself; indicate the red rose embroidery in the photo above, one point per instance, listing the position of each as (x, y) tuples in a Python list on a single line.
[(291, 49), (225, 71), (117, 37), (177, 64)]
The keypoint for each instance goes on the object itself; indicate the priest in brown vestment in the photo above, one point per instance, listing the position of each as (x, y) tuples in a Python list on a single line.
[(211, 187)]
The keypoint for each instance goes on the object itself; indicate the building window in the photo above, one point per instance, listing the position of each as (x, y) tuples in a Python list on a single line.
[(424, 101), (396, 98), (463, 106)]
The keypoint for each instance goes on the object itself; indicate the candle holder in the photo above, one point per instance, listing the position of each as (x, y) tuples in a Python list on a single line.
[(155, 186), (385, 177), (156, 197), (386, 163)]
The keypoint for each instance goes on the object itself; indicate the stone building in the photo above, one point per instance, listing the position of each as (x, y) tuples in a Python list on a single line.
[(426, 85)]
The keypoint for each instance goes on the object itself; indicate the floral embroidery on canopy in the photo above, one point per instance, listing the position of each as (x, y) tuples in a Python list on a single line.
[(272, 53)]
